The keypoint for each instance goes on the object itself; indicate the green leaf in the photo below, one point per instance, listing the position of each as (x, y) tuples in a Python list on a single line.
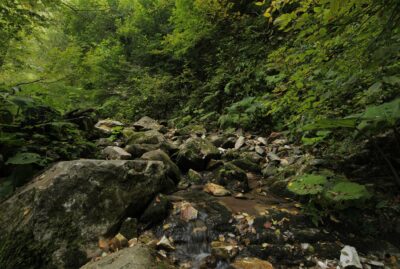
[(25, 158), (331, 124), (343, 191), (308, 184)]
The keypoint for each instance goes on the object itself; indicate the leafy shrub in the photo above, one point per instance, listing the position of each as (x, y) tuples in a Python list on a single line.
[(327, 193), (248, 114)]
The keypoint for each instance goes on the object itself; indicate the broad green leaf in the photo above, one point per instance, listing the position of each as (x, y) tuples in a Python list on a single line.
[(331, 124), (308, 184), (25, 158), (343, 191)]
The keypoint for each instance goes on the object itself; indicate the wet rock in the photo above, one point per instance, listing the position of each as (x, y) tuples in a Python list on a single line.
[(115, 153), (232, 177), (224, 250), (129, 228), (156, 212), (194, 177), (137, 257), (118, 242), (188, 212), (165, 243), (159, 155), (147, 123), (216, 190), (106, 126), (195, 154), (70, 205), (240, 142), (251, 263)]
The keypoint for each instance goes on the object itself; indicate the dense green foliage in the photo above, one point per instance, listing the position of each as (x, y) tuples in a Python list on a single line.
[(317, 69)]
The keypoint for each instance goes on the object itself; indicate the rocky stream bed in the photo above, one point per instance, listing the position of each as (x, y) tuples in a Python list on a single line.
[(168, 198)]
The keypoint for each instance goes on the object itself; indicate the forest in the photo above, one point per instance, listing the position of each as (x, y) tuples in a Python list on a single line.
[(199, 134)]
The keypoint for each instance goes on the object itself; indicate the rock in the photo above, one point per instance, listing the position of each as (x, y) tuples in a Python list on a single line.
[(188, 212), (159, 155), (224, 250), (115, 153), (146, 137), (165, 243), (106, 126), (251, 156), (229, 143), (137, 257), (195, 154), (279, 142), (232, 177), (216, 140), (129, 228), (262, 140), (156, 212), (61, 214), (194, 177), (147, 123), (191, 129), (273, 157), (239, 143), (216, 190), (349, 257), (251, 263), (259, 150), (104, 142), (118, 242), (246, 164), (269, 170), (138, 150)]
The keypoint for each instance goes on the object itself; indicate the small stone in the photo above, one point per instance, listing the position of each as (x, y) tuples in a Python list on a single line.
[(216, 190), (251, 263), (116, 153), (273, 157), (133, 242), (239, 143), (129, 228), (188, 212), (240, 196), (259, 150), (279, 142), (165, 243), (224, 250), (107, 125), (262, 140), (194, 177), (118, 242)]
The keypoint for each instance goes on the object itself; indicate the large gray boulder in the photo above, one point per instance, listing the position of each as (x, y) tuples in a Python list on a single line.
[(57, 220), (137, 257)]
